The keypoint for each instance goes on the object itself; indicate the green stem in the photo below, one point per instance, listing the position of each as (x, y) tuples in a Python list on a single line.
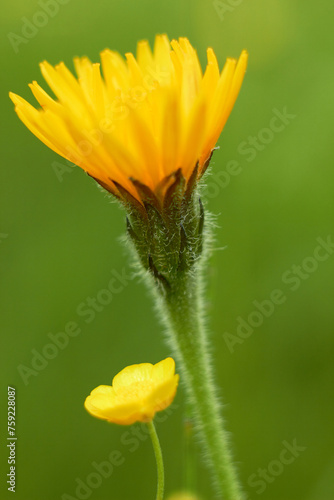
[(159, 460), (189, 464), (182, 305)]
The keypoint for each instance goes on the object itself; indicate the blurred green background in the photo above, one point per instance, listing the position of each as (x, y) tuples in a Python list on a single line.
[(60, 242)]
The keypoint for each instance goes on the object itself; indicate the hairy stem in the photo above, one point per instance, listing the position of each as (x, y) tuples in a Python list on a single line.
[(183, 313)]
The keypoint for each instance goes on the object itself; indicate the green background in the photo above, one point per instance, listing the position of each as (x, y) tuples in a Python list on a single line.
[(60, 242)]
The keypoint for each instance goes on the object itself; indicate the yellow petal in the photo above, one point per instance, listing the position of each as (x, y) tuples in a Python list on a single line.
[(115, 70), (44, 99), (169, 133), (130, 374), (236, 85), (69, 94), (103, 403), (163, 370), (136, 75), (193, 134), (144, 56), (162, 51), (163, 394)]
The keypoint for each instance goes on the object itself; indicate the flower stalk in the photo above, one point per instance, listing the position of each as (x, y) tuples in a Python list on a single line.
[(187, 336), (171, 244), (158, 458)]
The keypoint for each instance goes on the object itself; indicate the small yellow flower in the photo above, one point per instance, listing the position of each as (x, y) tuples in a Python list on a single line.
[(136, 394), (143, 120), (183, 496)]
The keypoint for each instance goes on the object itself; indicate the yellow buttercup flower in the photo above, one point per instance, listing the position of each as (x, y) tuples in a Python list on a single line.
[(136, 394), (183, 496), (146, 118)]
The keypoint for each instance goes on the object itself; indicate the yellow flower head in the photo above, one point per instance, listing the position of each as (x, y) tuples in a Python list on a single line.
[(136, 394), (145, 119), (183, 496)]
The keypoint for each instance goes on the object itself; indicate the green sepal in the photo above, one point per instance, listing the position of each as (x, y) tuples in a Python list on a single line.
[(105, 186), (146, 194), (165, 226), (130, 203), (173, 218), (158, 239), (139, 240)]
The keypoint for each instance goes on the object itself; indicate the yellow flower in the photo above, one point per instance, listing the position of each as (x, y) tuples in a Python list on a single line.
[(183, 496), (146, 118), (136, 394)]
